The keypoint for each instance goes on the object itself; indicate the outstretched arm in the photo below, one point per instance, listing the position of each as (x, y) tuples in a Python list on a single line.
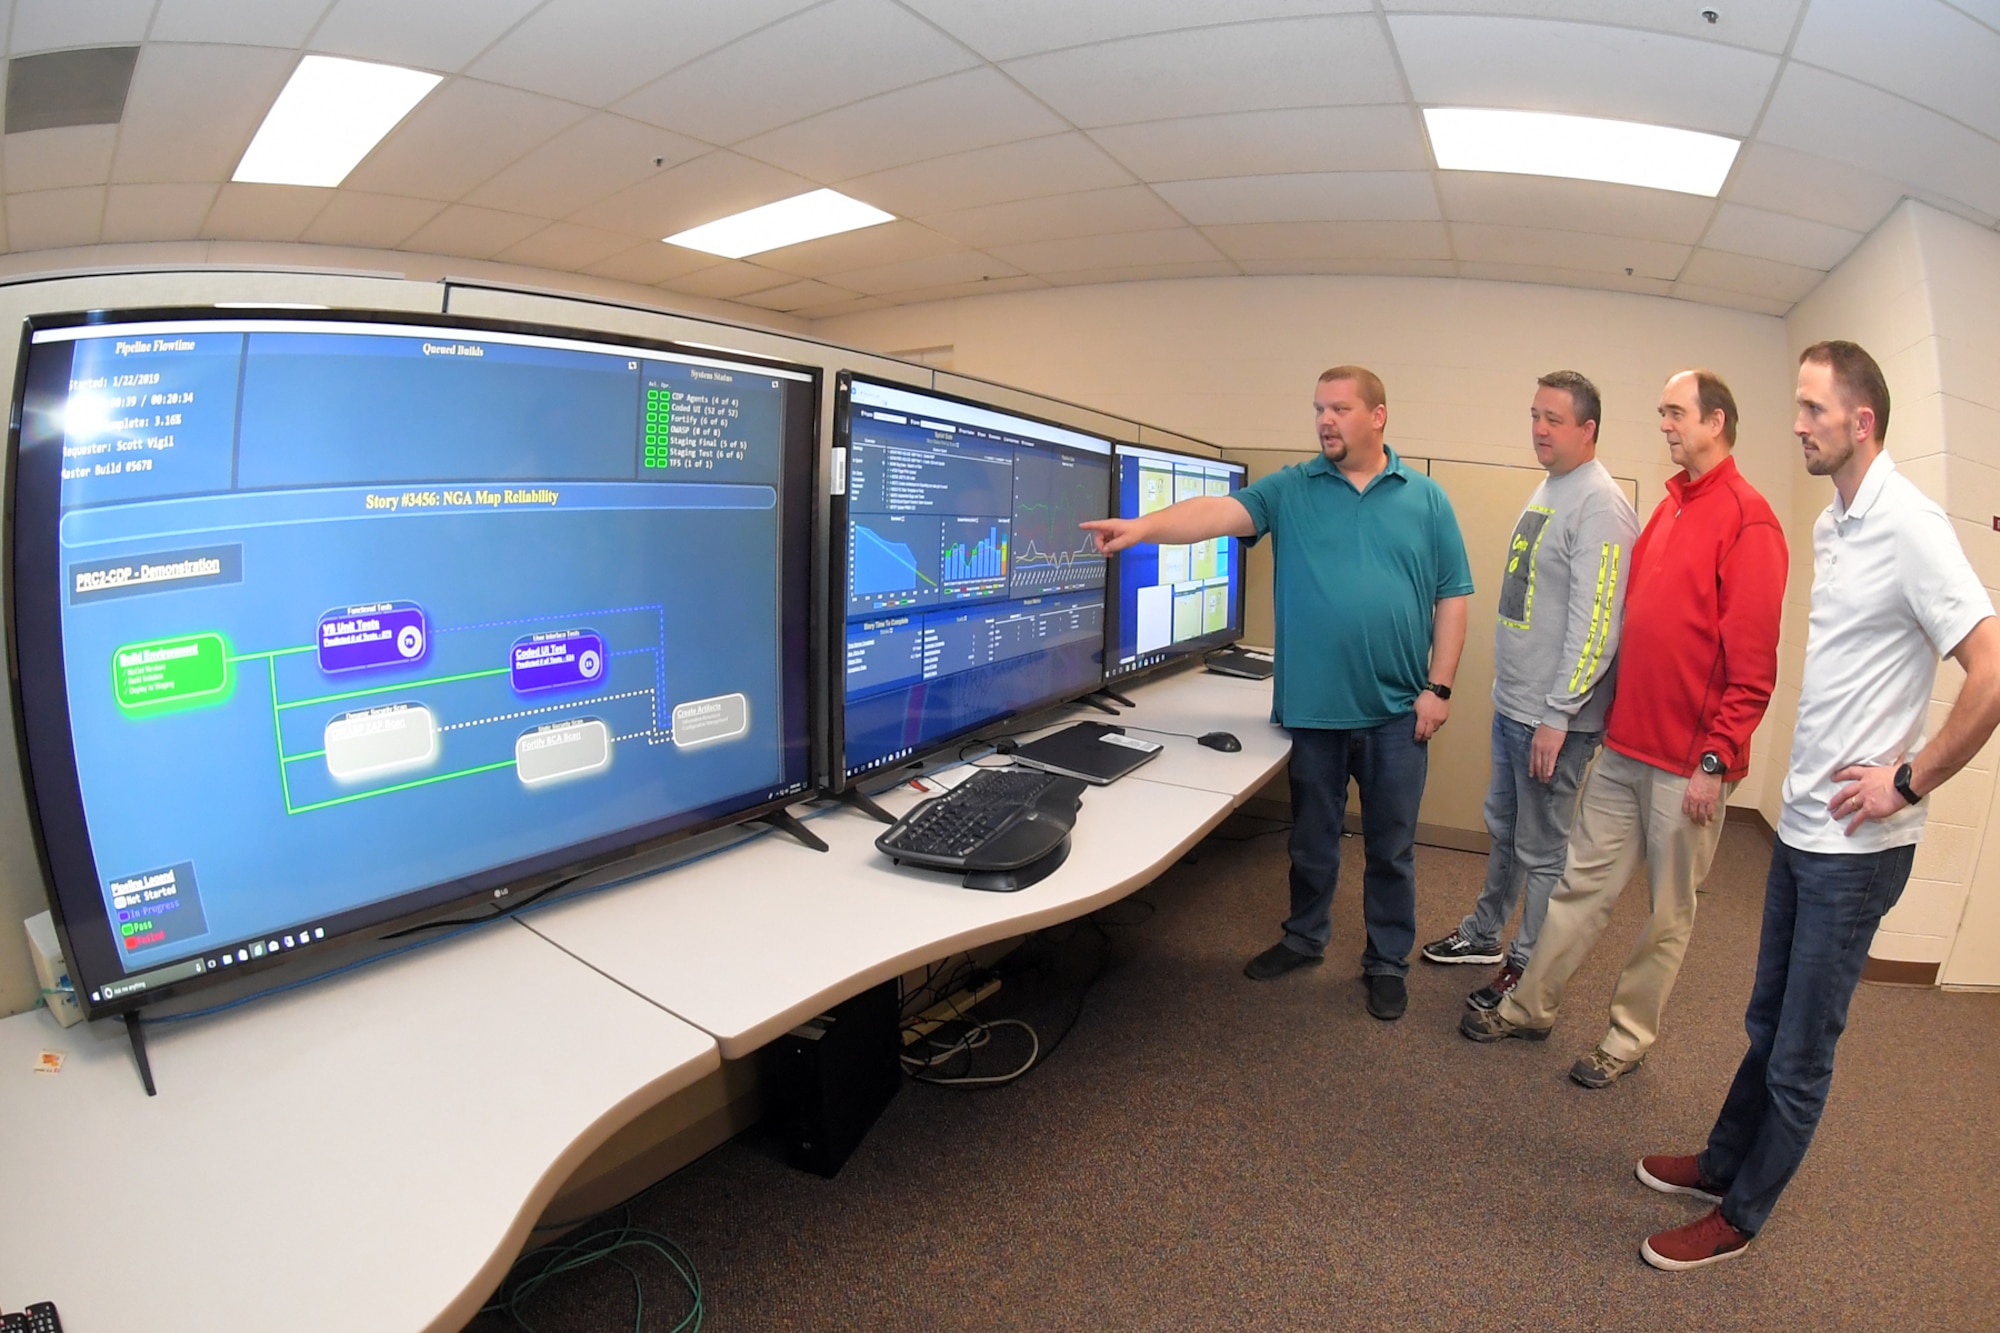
[(1193, 520)]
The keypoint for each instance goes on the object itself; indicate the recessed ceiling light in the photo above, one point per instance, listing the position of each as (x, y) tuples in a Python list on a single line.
[(1541, 143), (331, 114), (804, 217)]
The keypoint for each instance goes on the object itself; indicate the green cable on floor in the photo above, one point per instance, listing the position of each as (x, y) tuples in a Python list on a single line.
[(598, 1246)]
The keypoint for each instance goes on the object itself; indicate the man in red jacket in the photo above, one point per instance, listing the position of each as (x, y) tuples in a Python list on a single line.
[(1695, 671)]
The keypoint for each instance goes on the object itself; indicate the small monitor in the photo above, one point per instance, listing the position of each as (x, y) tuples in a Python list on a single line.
[(328, 624), (965, 591), (1170, 602)]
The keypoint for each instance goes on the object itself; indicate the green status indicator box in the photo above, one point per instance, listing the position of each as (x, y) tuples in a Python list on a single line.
[(188, 670)]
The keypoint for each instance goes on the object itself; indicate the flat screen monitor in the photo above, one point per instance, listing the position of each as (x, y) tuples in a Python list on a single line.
[(966, 592), (1170, 602), (328, 623)]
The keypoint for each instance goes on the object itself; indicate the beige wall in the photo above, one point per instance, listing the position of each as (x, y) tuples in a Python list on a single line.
[(1234, 360), (1918, 294)]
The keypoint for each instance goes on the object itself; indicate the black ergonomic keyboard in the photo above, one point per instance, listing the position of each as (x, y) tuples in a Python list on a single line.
[(1003, 829)]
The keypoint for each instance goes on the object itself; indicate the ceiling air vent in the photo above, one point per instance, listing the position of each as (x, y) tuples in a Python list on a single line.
[(58, 88)]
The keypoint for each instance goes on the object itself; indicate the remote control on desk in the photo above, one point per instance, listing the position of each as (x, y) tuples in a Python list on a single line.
[(37, 1318)]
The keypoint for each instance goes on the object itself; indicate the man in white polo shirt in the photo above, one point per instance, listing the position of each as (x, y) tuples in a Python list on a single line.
[(1892, 592)]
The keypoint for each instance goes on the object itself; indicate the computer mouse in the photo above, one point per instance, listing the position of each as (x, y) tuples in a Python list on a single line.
[(1220, 740)]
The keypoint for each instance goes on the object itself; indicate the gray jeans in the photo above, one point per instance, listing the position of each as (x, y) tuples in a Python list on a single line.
[(1529, 822)]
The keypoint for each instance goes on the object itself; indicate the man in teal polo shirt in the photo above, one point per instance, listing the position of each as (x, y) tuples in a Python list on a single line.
[(1370, 595)]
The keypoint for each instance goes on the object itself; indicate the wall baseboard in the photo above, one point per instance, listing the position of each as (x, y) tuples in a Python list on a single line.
[(1889, 972)]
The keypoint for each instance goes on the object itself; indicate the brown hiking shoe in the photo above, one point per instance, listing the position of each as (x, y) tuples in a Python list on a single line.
[(1600, 1069)]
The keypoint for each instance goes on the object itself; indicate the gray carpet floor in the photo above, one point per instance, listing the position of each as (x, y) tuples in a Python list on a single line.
[(1203, 1151)]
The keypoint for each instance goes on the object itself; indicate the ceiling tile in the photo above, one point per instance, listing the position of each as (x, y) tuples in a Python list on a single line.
[(565, 247), (263, 212), (1181, 245), (1392, 268), (1021, 27), (975, 109), (1567, 205), (53, 159), (1886, 135), (353, 217), (953, 290), (1327, 196), (596, 51), (237, 22), (728, 281), (1292, 242), (155, 212), (782, 73), (1024, 169), (52, 219), (649, 263), (963, 268), (1564, 277), (440, 35), (596, 157), (712, 186), (1241, 67), (1244, 143), (796, 296), (57, 25), (1540, 246), (1753, 277), (853, 305), (1583, 69), (1803, 185), (1762, 305), (1142, 273), (1086, 213), (475, 233), (1752, 231), (864, 247), (1763, 24), (1925, 51), (459, 137), (193, 109)]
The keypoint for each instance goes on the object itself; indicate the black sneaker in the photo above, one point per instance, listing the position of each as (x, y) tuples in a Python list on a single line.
[(1388, 996), (1489, 995), (1455, 948), (1276, 961)]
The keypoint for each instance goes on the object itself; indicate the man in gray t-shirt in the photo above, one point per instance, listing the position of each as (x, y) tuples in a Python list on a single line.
[(1562, 601)]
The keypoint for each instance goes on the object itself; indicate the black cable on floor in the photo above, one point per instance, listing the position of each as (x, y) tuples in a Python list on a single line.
[(535, 1269)]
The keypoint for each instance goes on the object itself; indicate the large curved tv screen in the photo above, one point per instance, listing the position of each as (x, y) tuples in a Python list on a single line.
[(323, 623)]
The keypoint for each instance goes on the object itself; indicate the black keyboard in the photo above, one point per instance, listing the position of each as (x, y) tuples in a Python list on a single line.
[(1002, 828)]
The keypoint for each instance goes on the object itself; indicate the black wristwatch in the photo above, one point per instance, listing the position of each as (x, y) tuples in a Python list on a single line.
[(1441, 691), (1711, 763), (1903, 787)]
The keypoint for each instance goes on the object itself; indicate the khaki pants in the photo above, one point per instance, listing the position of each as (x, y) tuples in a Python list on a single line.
[(1625, 811)]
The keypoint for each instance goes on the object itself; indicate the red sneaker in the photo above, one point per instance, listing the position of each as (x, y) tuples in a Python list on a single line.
[(1702, 1241), (1678, 1175)]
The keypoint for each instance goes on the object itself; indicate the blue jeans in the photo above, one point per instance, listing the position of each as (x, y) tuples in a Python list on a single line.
[(1820, 912), (1528, 820), (1389, 766)]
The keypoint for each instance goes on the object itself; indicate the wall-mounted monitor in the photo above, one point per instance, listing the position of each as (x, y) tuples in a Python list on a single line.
[(1170, 602), (323, 624), (965, 593)]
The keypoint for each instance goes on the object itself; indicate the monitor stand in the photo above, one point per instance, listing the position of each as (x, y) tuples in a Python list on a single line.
[(866, 805), (783, 822), (1114, 696), (1091, 700), (138, 1035)]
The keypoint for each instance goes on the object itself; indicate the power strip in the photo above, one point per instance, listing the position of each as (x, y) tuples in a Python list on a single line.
[(951, 1007)]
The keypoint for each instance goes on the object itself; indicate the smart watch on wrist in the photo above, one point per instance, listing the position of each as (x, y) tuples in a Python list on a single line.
[(1903, 787), (1441, 691), (1711, 763)]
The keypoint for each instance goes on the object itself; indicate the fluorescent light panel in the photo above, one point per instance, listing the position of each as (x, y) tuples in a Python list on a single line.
[(331, 115), (804, 217), (1542, 143)]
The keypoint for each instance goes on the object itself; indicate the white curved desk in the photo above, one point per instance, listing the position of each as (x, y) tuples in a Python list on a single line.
[(370, 1151)]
